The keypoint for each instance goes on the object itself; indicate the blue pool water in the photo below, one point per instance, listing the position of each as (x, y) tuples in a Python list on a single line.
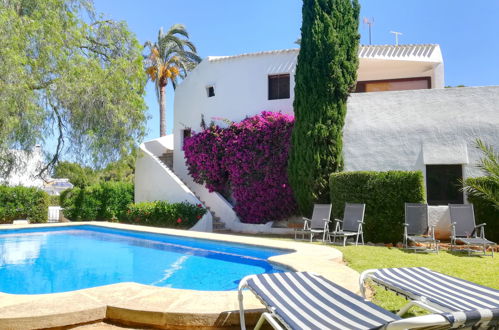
[(48, 260)]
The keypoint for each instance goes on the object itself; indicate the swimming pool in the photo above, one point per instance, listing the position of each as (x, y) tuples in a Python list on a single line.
[(58, 259)]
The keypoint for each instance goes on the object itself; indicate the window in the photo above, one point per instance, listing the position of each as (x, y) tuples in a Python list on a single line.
[(279, 86), (443, 184), (186, 133), (210, 91), (393, 85)]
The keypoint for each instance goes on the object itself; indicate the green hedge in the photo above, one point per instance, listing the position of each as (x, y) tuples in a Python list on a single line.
[(164, 214), (484, 210), (103, 201), (384, 194), (23, 203)]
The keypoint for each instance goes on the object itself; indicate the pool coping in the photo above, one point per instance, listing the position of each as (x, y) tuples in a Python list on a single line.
[(166, 308)]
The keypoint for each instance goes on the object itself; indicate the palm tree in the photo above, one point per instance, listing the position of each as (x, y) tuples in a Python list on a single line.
[(171, 57), (486, 188)]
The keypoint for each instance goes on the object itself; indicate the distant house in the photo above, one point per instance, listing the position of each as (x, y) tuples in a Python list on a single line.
[(399, 117), (56, 186)]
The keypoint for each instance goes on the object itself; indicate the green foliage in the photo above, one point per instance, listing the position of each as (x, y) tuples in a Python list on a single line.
[(23, 203), (326, 72), (67, 74), (54, 200), (485, 210), (164, 214), (384, 194), (486, 189), (81, 176), (103, 201)]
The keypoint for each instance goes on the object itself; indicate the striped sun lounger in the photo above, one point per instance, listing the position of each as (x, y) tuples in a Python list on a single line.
[(431, 290), (301, 300)]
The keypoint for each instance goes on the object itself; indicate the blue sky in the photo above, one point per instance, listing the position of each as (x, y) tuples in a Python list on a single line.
[(467, 31)]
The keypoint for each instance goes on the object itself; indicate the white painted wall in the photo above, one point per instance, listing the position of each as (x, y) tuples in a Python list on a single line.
[(154, 181), (405, 130)]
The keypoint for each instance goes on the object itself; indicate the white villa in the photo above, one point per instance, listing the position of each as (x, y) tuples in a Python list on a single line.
[(414, 124)]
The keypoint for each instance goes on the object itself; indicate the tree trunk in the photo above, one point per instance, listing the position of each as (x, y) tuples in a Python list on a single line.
[(162, 111)]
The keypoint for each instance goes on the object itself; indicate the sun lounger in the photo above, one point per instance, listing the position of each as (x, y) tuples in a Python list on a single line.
[(301, 300), (351, 224), (465, 230), (432, 290), (318, 224), (417, 228)]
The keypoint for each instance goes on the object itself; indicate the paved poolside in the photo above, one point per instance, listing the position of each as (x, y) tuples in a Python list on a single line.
[(166, 308)]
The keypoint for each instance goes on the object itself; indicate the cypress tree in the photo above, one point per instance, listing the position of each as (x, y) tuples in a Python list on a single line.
[(325, 74)]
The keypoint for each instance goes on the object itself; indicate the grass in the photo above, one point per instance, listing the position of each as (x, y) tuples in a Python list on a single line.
[(481, 270)]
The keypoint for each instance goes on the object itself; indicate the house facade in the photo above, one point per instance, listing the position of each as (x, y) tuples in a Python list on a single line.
[(400, 116)]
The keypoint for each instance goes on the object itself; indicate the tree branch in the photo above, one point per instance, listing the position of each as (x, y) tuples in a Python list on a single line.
[(60, 142)]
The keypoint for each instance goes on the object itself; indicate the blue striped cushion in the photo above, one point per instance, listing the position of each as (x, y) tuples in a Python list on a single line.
[(306, 301), (486, 318), (447, 292)]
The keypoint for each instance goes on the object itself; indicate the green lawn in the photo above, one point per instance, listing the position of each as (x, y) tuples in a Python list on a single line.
[(481, 270)]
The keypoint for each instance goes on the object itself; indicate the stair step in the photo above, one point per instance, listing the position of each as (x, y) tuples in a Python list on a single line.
[(218, 225)]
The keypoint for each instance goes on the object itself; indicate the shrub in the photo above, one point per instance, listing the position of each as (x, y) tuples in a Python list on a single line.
[(164, 214), (326, 72), (103, 201), (23, 203), (249, 161), (484, 208), (384, 194)]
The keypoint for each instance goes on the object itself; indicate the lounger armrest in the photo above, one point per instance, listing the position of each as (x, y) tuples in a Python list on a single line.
[(326, 220), (338, 220), (360, 221), (406, 225), (480, 229)]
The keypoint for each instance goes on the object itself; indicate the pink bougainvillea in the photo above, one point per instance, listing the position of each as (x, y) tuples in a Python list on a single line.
[(249, 159)]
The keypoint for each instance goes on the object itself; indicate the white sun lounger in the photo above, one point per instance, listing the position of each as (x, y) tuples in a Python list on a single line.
[(301, 300)]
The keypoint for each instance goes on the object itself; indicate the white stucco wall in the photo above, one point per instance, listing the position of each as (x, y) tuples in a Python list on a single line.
[(154, 181), (406, 130)]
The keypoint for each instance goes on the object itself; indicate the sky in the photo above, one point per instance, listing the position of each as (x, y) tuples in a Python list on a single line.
[(467, 31)]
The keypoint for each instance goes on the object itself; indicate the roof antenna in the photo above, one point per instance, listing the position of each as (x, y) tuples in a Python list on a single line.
[(397, 34), (369, 22)]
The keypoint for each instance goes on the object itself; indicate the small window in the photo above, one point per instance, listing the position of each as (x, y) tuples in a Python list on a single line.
[(443, 183), (279, 86), (210, 91)]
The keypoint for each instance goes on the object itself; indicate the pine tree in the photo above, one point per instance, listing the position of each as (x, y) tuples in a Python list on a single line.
[(325, 74)]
